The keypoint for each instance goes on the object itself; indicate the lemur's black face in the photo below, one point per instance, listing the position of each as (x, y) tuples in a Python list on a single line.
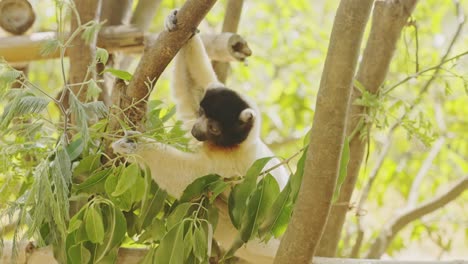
[(225, 119)]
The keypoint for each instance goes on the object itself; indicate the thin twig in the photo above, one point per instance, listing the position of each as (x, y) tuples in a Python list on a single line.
[(283, 162)]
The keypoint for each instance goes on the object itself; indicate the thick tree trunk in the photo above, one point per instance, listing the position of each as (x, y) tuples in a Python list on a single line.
[(327, 135), (389, 17)]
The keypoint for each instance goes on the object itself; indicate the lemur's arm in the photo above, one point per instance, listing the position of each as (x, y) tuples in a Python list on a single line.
[(173, 170), (193, 74)]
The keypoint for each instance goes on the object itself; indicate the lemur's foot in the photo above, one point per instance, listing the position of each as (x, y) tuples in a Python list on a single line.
[(127, 144), (170, 23)]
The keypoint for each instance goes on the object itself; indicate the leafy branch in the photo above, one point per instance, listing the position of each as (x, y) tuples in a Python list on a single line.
[(380, 244)]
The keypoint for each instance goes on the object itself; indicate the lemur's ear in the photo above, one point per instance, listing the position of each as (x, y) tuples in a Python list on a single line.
[(247, 115)]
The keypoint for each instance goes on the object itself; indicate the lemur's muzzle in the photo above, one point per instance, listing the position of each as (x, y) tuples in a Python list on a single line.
[(198, 134)]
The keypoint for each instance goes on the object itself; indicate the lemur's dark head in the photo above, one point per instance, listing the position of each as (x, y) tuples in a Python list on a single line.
[(225, 119)]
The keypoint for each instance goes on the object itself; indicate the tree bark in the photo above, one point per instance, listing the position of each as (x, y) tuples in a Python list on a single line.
[(327, 135), (389, 18), (81, 53), (381, 243), (230, 24), (155, 59)]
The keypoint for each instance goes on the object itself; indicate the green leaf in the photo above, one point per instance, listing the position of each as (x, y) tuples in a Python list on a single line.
[(213, 215), (74, 225), (198, 187), (257, 207), (127, 179), (278, 215), (189, 242), (75, 148), (81, 118), (102, 55), (216, 188), (200, 245), (94, 225), (22, 106), (87, 165), (116, 227), (9, 75), (94, 179), (111, 182), (171, 248), (124, 75), (97, 108), (49, 46), (78, 254), (90, 31), (153, 232), (152, 208), (178, 215), (93, 90), (296, 179), (169, 114), (345, 155), (242, 191)]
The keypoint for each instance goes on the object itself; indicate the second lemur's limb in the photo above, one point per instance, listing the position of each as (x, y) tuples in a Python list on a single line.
[(193, 74)]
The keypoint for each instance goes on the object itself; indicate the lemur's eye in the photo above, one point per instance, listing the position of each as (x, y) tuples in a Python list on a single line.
[(214, 129)]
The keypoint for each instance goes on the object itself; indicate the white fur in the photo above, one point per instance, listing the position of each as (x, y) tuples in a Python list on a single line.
[(173, 170)]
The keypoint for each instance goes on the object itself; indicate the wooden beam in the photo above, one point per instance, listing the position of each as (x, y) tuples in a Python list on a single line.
[(128, 39)]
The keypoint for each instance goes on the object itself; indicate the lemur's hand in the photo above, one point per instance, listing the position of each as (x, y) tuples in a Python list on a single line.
[(127, 144), (170, 23)]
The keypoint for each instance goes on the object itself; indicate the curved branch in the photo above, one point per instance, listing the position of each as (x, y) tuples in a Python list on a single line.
[(387, 234)]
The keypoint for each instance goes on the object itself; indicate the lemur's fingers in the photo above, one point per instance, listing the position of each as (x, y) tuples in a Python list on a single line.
[(124, 146), (170, 23)]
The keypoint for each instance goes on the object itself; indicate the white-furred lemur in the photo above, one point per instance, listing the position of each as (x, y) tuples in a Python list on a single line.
[(228, 126)]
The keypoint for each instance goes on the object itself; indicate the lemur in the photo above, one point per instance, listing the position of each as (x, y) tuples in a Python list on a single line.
[(228, 126)]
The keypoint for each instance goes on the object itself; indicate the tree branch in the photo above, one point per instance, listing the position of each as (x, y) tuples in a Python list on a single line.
[(380, 244), (327, 135), (388, 19), (427, 164), (230, 24)]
